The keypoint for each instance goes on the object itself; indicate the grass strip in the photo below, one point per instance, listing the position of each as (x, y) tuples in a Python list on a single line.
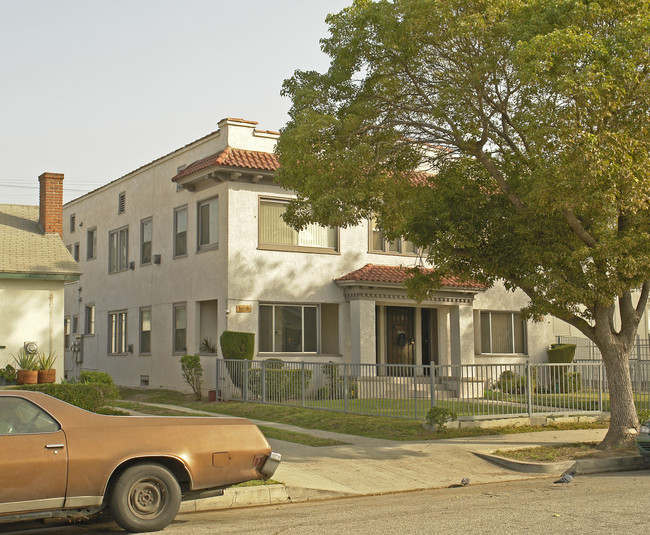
[(351, 424), (566, 452)]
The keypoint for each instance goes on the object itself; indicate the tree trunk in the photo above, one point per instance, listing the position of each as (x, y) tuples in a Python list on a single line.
[(624, 421)]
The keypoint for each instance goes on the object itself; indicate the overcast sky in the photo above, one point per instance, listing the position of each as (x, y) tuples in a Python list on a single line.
[(95, 89)]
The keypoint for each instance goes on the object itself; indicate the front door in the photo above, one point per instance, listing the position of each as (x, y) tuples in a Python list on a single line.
[(401, 340)]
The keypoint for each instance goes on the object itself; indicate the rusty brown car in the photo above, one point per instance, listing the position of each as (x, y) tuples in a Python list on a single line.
[(58, 460)]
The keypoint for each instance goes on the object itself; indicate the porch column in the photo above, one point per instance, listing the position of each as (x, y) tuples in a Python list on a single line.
[(362, 332), (461, 334)]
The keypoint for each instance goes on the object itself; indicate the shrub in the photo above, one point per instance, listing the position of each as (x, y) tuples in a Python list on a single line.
[(89, 396), (511, 383), (439, 416), (9, 374), (237, 345), (644, 416), (96, 377), (561, 353), (279, 384), (25, 360), (193, 373), (570, 382)]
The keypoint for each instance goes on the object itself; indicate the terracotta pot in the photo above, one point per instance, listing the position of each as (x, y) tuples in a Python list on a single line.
[(46, 376), (27, 377)]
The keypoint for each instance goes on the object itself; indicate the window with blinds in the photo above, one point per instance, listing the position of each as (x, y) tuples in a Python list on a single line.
[(503, 333), (275, 233)]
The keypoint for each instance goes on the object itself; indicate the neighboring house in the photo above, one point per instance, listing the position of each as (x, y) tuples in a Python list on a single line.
[(192, 244), (34, 265)]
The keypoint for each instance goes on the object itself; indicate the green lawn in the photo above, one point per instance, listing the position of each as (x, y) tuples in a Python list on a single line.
[(352, 424)]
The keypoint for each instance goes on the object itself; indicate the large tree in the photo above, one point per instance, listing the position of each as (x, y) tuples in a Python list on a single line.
[(527, 124)]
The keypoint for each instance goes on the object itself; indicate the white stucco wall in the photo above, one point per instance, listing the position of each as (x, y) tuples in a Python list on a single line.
[(31, 311)]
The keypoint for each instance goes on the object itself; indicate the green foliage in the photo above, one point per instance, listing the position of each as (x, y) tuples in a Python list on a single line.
[(96, 377), (237, 345), (89, 396), (208, 346), (644, 415), (8, 373), (279, 384), (439, 416), (511, 383), (193, 373), (531, 118), (335, 384), (46, 362), (561, 353), (25, 360), (569, 382)]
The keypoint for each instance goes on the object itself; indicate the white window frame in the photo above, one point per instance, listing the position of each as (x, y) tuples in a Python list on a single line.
[(121, 238), (91, 243), (142, 331), (117, 332), (177, 211), (489, 313), (298, 247), (273, 307), (176, 349), (89, 320), (143, 222), (211, 241)]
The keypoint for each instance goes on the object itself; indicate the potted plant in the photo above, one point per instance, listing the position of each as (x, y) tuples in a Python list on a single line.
[(46, 371), (27, 367), (8, 375)]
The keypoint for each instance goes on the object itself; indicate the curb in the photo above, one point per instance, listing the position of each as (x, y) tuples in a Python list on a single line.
[(260, 495), (584, 466)]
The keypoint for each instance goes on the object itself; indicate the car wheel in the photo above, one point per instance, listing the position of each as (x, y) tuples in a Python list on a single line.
[(146, 497)]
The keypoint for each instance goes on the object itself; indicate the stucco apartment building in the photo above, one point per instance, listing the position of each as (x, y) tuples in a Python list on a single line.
[(192, 244), (34, 265)]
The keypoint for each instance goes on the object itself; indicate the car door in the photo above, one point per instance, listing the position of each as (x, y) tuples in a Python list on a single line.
[(33, 459)]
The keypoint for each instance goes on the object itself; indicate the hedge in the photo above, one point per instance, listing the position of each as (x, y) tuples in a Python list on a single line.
[(561, 353), (89, 396)]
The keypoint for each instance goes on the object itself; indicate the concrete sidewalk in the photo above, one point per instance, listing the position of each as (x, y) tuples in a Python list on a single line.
[(373, 466)]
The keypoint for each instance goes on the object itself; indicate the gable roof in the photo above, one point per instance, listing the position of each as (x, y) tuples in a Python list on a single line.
[(398, 274), (231, 157), (27, 252)]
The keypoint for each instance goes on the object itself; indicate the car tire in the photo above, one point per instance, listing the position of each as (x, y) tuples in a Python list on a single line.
[(145, 497)]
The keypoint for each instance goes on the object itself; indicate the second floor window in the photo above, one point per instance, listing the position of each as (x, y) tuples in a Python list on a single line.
[(91, 244), (274, 233), (118, 245), (209, 223), (379, 242), (180, 231), (146, 227)]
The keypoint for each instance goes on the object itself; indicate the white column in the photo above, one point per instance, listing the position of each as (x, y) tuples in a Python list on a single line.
[(444, 356), (362, 332), (461, 332)]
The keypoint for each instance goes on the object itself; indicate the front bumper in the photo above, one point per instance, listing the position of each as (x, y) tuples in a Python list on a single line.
[(643, 444), (271, 464)]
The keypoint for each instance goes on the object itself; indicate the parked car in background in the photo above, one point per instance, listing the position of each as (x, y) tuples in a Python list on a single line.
[(643, 439), (58, 460)]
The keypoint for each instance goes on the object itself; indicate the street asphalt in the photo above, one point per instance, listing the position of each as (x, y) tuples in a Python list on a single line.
[(368, 466)]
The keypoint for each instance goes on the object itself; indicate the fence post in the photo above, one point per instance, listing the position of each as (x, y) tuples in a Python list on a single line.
[(302, 384), (263, 374), (529, 389), (245, 385), (432, 393), (600, 386), (345, 388)]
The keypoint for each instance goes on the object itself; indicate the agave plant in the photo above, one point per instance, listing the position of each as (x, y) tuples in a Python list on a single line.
[(25, 360), (46, 362)]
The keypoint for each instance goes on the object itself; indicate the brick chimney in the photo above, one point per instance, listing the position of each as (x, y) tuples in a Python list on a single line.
[(51, 203)]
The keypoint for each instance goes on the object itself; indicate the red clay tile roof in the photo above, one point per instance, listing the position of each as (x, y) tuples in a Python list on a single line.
[(229, 157), (398, 274)]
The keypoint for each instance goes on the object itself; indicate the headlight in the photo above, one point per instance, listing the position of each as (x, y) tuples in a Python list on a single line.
[(645, 429)]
